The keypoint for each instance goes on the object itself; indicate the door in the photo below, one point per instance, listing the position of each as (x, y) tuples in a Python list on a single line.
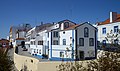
[(81, 55)]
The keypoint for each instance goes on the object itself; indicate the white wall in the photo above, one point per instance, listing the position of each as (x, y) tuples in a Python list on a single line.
[(66, 36), (109, 27), (56, 49)]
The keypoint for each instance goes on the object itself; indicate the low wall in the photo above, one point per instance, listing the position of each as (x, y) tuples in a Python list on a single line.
[(48, 66), (32, 64), (23, 62)]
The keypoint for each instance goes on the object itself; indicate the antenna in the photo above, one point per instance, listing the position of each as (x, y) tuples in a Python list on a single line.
[(36, 21)]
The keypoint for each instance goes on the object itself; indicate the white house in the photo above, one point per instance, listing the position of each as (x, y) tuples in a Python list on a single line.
[(108, 28), (69, 43), (18, 32), (37, 39), (29, 39)]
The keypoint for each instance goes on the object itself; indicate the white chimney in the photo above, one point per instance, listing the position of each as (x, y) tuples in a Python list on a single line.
[(113, 16), (62, 26)]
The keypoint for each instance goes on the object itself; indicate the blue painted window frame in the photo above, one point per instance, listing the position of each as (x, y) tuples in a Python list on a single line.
[(104, 30), (64, 41), (115, 29)]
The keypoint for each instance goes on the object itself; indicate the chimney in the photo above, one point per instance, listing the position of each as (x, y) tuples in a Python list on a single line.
[(113, 16), (41, 23), (62, 26)]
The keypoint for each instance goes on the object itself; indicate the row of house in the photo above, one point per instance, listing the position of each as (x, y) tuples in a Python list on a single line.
[(17, 33), (66, 40)]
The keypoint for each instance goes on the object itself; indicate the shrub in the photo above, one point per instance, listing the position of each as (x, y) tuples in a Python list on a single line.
[(6, 64), (108, 61)]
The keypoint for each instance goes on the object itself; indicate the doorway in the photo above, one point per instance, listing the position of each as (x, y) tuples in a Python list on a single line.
[(81, 55)]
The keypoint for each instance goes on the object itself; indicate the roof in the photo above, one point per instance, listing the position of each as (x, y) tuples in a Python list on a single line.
[(72, 27), (75, 26), (20, 38), (4, 40), (108, 20), (67, 21), (86, 23)]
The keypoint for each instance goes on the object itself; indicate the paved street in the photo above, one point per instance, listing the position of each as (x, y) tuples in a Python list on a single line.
[(25, 53)]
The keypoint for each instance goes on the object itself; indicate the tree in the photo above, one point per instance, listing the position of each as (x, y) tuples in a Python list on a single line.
[(6, 64), (112, 38)]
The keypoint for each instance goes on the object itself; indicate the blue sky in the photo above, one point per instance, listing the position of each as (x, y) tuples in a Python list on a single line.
[(15, 12)]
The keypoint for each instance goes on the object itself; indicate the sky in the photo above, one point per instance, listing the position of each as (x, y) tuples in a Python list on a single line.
[(15, 12)]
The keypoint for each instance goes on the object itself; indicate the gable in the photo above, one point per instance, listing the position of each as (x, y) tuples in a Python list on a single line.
[(86, 24)]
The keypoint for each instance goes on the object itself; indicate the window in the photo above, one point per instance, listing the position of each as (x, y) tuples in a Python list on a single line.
[(91, 41), (81, 41), (55, 42), (64, 32), (39, 51), (34, 42), (86, 32), (31, 42), (70, 37), (104, 30), (104, 42), (55, 34), (64, 41), (66, 24), (61, 54), (48, 34), (115, 29), (40, 42), (116, 41)]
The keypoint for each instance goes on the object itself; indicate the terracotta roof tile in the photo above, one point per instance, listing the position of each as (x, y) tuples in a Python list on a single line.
[(108, 20), (71, 27), (20, 38)]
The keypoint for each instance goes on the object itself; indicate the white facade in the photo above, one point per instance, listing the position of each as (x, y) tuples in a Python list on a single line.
[(61, 41), (67, 43), (62, 50), (29, 39), (109, 27)]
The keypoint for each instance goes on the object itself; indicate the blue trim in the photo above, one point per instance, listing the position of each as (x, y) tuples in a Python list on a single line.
[(39, 56), (51, 46), (104, 30), (60, 59), (95, 44), (73, 44), (115, 29), (59, 50)]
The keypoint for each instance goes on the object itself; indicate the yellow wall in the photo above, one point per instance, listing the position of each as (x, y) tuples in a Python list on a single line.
[(20, 61)]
